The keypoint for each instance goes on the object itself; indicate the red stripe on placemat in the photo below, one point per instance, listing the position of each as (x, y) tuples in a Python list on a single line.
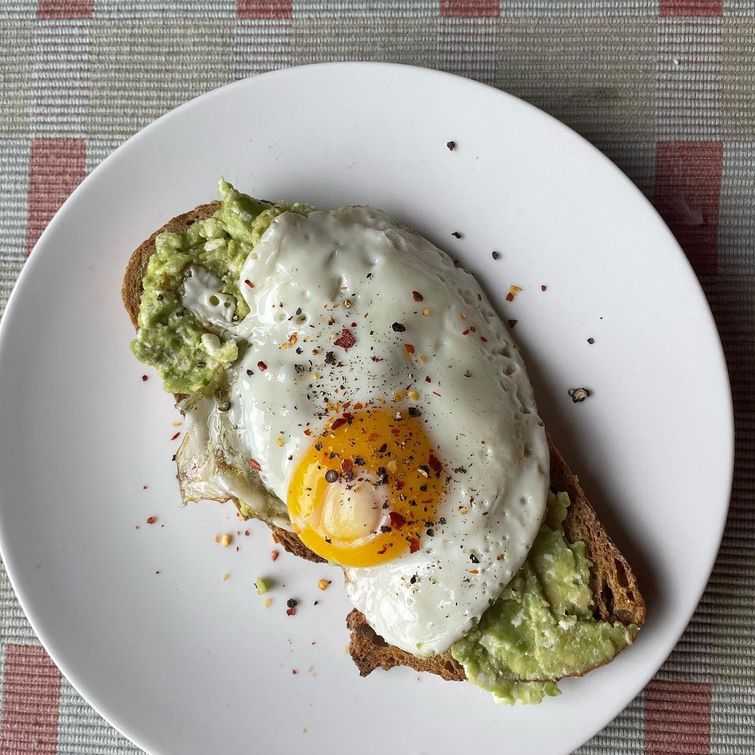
[(687, 194), (62, 9), (56, 168), (677, 718), (264, 8), (31, 702), (691, 7), (470, 8)]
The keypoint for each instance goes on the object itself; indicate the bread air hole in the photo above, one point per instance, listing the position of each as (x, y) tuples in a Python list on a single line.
[(606, 597), (621, 574)]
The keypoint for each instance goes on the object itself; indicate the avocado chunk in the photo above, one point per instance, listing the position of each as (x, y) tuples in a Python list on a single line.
[(188, 353), (542, 626)]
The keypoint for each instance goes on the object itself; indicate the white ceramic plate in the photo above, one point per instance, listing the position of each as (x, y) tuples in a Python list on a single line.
[(183, 662)]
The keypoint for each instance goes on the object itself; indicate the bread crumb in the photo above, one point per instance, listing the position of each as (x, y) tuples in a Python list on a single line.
[(323, 584), (226, 577), (513, 291), (224, 540), (268, 602), (578, 395)]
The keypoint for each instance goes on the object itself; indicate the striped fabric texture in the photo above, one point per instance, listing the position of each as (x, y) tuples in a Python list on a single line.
[(663, 87)]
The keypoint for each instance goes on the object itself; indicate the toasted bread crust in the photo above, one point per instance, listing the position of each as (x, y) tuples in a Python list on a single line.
[(290, 541), (614, 586)]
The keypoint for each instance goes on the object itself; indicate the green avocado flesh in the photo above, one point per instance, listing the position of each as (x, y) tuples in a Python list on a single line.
[(542, 626), (169, 337)]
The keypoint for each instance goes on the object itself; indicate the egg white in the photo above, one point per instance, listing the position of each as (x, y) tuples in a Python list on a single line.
[(354, 268)]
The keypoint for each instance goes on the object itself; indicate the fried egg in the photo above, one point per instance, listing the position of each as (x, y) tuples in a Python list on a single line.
[(380, 397)]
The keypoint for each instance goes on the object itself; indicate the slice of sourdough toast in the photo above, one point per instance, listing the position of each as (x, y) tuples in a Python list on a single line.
[(616, 595)]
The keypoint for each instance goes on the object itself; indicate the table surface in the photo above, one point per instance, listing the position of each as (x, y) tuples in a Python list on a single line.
[(663, 87)]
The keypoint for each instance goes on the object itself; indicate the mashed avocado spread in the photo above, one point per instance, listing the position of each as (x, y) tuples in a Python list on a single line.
[(542, 626), (185, 352)]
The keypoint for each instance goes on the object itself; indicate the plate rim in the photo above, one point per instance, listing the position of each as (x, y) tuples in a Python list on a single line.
[(32, 262)]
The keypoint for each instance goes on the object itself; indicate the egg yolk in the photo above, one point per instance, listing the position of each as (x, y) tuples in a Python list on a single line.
[(367, 489)]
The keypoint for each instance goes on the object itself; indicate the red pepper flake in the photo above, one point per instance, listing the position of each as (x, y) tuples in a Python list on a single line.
[(261, 366), (413, 545), (151, 519), (435, 465), (509, 296), (291, 612), (512, 323), (409, 348), (254, 465), (274, 555), (347, 465), (466, 331), (307, 431), (417, 296), (249, 283), (483, 339), (346, 340), (543, 287), (145, 378), (427, 379), (399, 484), (175, 435), (397, 521), (338, 422)]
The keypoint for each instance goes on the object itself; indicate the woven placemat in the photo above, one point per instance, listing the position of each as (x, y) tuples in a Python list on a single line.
[(663, 87)]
